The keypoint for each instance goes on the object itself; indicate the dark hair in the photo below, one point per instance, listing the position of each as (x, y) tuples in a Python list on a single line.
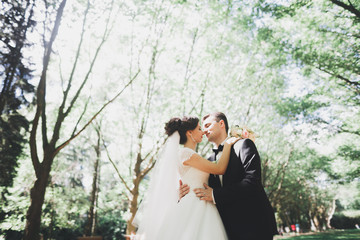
[(181, 125), (218, 117)]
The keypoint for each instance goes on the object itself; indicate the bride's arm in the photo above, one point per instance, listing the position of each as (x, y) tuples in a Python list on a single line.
[(211, 167)]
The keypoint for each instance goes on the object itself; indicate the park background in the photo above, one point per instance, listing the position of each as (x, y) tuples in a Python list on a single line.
[(87, 87)]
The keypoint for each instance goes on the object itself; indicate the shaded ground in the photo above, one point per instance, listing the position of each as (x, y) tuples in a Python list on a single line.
[(328, 235)]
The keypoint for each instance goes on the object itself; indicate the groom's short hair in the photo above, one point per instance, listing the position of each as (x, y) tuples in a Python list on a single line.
[(218, 117)]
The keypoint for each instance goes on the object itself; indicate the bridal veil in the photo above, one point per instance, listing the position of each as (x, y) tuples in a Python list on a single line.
[(162, 194)]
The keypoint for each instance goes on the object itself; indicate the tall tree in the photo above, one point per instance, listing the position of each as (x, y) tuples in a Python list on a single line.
[(50, 146), (92, 214), (322, 39), (15, 73), (318, 42), (144, 162)]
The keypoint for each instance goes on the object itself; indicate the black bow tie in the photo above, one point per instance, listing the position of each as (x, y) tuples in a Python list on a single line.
[(219, 149)]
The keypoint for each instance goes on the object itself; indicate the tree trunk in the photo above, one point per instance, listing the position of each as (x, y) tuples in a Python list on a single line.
[(331, 214), (133, 206), (37, 195), (90, 228)]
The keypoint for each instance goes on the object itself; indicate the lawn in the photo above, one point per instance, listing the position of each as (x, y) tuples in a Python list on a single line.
[(328, 235)]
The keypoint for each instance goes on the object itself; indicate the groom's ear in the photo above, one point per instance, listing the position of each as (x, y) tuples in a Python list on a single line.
[(222, 123)]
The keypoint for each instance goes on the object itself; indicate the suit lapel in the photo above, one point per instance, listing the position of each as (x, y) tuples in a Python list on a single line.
[(235, 168)]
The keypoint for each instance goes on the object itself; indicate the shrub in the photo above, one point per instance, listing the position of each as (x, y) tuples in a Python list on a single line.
[(340, 221)]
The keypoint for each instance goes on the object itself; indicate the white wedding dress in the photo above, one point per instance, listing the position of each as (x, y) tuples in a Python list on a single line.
[(192, 218)]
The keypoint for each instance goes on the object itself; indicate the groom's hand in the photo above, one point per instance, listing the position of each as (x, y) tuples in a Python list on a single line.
[(204, 194), (183, 190)]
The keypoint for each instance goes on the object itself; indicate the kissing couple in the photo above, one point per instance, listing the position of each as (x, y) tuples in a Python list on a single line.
[(219, 198)]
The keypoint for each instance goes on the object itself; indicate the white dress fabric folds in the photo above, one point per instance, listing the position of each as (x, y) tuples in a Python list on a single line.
[(191, 218)]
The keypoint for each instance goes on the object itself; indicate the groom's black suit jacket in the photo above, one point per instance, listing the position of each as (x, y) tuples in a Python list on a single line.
[(242, 202)]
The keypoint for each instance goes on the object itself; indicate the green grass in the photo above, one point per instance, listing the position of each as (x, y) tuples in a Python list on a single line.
[(328, 235)]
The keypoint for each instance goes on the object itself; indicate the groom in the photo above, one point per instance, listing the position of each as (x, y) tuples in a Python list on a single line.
[(238, 194)]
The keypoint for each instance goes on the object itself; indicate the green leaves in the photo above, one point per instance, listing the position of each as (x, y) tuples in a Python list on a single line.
[(299, 107), (351, 155)]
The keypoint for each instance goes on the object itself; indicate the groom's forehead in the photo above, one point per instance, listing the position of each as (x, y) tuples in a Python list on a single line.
[(208, 120)]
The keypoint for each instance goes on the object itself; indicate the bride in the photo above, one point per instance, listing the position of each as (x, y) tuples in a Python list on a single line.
[(161, 215)]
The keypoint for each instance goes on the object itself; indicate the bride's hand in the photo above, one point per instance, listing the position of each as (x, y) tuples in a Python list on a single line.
[(183, 190), (232, 140)]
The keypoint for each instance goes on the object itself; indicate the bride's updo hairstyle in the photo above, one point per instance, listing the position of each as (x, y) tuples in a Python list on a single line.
[(181, 125)]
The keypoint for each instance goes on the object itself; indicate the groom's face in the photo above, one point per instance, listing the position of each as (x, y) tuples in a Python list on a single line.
[(211, 128)]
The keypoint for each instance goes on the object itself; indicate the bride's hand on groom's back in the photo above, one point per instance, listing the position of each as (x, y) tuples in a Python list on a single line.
[(183, 190), (231, 141)]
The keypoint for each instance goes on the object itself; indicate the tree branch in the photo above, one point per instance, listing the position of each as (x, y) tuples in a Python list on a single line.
[(151, 162), (41, 91), (148, 168), (187, 69), (43, 121), (201, 98), (62, 115), (103, 40), (350, 131), (95, 115), (349, 7), (81, 116), (354, 85), (116, 169), (33, 144), (149, 94), (282, 173), (66, 92)]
